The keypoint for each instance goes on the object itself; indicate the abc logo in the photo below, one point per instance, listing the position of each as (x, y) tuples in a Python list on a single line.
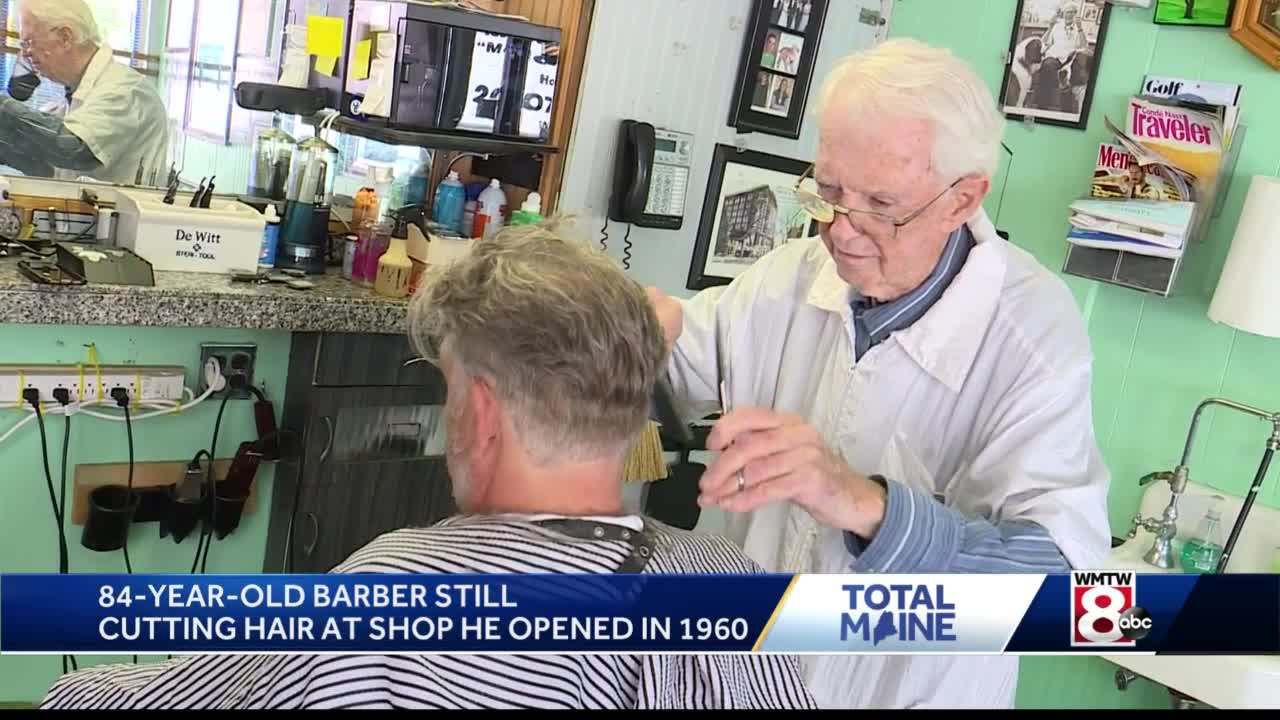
[(1135, 623)]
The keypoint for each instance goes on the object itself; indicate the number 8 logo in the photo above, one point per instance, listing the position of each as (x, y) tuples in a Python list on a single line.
[(1088, 623)]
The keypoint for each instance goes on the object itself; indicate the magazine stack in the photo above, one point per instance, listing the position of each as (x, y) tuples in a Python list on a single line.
[(1156, 184)]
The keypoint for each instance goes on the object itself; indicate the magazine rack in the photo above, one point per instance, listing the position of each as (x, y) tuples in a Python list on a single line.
[(1139, 272), (1145, 273)]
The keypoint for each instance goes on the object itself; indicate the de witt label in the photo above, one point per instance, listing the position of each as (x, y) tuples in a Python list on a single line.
[(196, 245)]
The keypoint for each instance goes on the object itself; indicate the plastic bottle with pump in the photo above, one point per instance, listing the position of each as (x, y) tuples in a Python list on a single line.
[(270, 238), (1202, 551), (491, 215), (451, 196), (395, 269), (530, 213)]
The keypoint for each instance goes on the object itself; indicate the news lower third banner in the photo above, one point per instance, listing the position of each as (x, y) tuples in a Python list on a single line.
[(1100, 613)]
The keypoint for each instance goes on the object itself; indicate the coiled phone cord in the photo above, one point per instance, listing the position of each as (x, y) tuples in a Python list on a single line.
[(626, 249)]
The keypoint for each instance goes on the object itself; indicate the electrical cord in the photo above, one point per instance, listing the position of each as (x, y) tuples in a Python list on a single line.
[(626, 249), (213, 486), (162, 409), (195, 465), (32, 396), (165, 410), (63, 396), (121, 396), (604, 235), (128, 427)]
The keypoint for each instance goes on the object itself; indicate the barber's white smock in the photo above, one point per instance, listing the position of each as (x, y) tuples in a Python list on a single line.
[(984, 402), (119, 115)]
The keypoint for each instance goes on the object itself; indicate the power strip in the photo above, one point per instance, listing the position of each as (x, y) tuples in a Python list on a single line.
[(145, 383)]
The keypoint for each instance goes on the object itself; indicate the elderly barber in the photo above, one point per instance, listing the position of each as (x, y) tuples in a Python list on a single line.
[(115, 128), (911, 393)]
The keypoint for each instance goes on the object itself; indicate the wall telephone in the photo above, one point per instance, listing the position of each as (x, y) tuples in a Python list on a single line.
[(650, 176)]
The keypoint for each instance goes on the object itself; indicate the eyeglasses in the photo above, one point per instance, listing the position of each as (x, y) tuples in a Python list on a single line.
[(874, 223), (25, 43)]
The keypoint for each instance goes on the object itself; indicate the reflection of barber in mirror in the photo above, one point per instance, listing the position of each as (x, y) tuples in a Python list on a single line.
[(115, 123)]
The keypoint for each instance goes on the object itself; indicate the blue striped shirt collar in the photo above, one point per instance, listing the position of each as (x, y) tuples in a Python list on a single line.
[(875, 322)]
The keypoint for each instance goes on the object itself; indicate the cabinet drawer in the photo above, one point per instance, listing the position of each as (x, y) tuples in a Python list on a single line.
[(350, 504), (360, 360)]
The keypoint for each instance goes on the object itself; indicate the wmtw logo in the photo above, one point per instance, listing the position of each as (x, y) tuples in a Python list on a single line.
[(1104, 610)]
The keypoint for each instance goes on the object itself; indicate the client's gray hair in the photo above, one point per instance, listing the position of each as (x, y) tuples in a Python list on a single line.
[(571, 344), (75, 15)]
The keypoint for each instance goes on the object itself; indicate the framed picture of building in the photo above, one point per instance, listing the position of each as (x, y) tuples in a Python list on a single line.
[(749, 209)]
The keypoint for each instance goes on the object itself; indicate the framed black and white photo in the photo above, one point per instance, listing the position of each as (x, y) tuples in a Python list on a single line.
[(1054, 54), (777, 66), (750, 208)]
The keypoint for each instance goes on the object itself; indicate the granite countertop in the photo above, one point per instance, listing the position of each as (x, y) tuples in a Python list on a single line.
[(202, 300)]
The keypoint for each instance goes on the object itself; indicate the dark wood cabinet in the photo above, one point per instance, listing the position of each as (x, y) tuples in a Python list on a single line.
[(369, 456)]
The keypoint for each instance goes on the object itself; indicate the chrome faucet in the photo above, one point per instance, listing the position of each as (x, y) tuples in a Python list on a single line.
[(1165, 528)]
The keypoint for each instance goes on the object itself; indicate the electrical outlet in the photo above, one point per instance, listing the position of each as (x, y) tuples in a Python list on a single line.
[(145, 383), (237, 362)]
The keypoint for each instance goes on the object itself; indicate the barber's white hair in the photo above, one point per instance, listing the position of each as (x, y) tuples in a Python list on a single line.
[(907, 79), (74, 15)]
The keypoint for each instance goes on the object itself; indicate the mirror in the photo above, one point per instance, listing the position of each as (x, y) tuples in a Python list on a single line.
[(191, 55)]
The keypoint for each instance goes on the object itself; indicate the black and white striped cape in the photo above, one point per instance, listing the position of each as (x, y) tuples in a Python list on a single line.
[(497, 544)]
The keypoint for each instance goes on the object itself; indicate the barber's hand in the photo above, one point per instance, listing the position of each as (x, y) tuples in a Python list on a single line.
[(670, 314), (782, 458)]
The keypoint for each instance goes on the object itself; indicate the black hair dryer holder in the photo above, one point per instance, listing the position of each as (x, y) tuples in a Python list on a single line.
[(112, 509)]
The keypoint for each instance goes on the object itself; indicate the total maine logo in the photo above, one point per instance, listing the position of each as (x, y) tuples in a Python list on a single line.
[(196, 245), (898, 613)]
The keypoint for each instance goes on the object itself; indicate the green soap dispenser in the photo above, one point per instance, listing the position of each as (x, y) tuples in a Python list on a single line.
[(1202, 551)]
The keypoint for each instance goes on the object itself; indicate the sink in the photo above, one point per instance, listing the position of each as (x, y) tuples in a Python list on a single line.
[(1228, 682)]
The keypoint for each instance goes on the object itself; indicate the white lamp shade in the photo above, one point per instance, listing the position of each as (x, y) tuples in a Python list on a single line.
[(1248, 294)]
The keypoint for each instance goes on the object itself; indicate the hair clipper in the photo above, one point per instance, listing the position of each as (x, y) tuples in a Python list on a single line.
[(666, 411)]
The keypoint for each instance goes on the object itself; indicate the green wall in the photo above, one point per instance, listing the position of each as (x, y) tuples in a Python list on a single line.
[(1156, 359), (28, 543)]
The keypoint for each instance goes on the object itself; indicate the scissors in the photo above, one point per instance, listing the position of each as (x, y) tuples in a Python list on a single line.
[(722, 370)]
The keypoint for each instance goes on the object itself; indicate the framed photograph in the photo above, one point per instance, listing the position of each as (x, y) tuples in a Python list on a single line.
[(1256, 26), (749, 209), (1205, 13), (777, 66), (1054, 54)]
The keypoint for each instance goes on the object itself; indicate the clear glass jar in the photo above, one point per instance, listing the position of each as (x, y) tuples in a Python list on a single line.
[(315, 168), (272, 164), (1203, 550)]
